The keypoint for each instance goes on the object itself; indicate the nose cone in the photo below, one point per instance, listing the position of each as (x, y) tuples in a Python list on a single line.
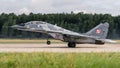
[(14, 26), (17, 27)]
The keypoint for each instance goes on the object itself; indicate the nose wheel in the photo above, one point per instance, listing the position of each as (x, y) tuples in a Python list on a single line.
[(48, 42)]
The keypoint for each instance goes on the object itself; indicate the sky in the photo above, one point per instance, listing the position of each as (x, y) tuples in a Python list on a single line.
[(59, 6)]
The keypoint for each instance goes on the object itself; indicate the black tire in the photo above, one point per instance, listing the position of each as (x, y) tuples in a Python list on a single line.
[(48, 42), (71, 44)]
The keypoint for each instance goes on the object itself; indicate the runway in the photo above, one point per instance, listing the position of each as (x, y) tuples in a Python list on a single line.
[(62, 48)]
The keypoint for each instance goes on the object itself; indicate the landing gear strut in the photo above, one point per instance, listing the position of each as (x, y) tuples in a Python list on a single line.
[(71, 44), (48, 42)]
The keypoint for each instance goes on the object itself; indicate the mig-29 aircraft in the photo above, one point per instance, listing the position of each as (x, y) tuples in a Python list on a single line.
[(96, 35)]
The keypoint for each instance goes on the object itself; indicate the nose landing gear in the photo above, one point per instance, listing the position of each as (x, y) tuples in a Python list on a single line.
[(48, 42)]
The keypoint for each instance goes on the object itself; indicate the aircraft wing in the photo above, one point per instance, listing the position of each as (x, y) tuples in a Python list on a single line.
[(73, 34), (92, 37), (77, 35)]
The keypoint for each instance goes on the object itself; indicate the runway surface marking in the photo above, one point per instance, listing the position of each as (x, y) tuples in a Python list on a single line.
[(59, 48)]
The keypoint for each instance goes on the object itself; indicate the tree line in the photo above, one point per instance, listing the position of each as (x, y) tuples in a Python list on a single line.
[(80, 22)]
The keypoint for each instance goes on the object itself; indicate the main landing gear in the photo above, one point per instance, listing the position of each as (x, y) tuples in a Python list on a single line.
[(71, 44)]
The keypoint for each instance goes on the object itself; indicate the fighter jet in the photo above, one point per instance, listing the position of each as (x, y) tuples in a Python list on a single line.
[(96, 35)]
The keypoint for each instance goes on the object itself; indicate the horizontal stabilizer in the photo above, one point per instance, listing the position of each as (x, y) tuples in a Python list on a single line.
[(108, 41)]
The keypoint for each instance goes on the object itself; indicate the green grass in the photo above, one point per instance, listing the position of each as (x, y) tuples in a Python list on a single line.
[(59, 60)]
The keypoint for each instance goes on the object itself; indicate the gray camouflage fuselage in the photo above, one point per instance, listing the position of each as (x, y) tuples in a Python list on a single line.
[(94, 36)]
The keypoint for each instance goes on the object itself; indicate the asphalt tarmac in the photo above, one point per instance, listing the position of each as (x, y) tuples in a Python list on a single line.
[(62, 48)]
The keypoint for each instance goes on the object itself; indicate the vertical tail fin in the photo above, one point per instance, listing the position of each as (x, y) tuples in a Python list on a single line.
[(100, 31)]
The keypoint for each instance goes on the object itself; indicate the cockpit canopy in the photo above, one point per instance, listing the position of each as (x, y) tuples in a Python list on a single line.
[(35, 22)]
